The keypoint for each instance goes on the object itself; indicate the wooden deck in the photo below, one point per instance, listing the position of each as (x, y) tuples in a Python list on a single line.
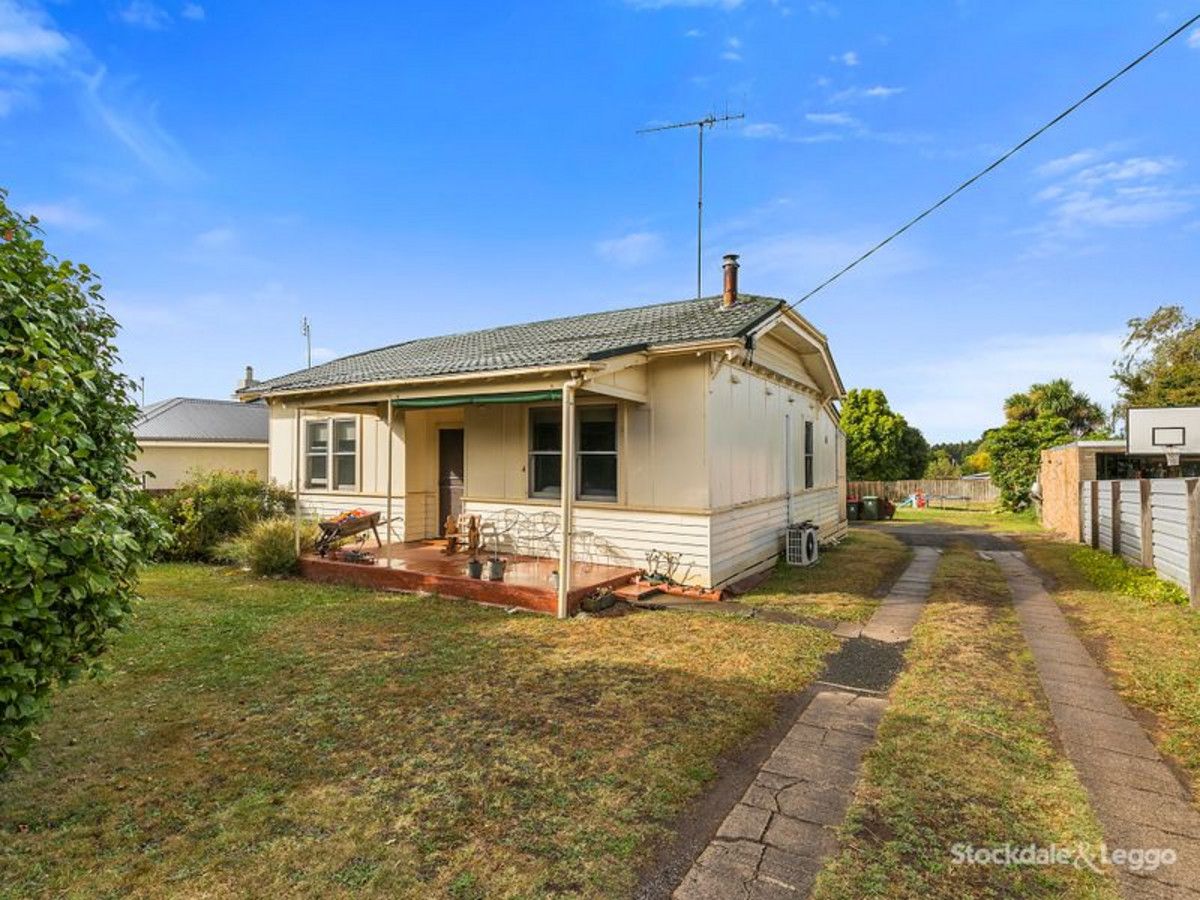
[(529, 582)]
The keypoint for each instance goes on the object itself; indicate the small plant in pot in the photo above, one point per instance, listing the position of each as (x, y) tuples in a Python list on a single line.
[(475, 567)]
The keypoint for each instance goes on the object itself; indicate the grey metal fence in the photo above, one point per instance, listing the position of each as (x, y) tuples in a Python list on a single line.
[(1151, 523)]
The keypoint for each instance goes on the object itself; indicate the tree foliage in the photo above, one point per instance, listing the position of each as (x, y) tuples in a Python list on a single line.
[(942, 465), (1160, 360), (1016, 451), (880, 444), (73, 531), (1057, 399)]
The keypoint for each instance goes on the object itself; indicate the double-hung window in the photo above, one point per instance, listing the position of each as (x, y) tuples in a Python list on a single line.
[(595, 453), (331, 454), (808, 455)]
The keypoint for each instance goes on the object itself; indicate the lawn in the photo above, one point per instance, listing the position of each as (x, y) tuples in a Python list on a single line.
[(271, 738), (993, 520), (1140, 629), (846, 583), (965, 753)]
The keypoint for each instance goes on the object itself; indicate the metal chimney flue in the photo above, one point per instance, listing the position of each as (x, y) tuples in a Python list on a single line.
[(730, 296)]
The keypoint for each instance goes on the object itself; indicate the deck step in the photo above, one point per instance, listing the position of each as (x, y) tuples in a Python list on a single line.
[(637, 590)]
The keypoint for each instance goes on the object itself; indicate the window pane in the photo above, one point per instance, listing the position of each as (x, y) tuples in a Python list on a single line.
[(546, 474), (808, 471), (343, 437), (808, 437), (318, 469), (318, 437), (545, 429), (598, 429), (598, 476), (343, 469)]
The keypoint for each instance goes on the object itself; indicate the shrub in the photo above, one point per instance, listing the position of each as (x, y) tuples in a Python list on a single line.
[(72, 532), (211, 507), (268, 547), (1111, 573)]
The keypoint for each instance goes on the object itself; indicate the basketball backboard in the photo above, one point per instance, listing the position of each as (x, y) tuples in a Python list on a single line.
[(1154, 431)]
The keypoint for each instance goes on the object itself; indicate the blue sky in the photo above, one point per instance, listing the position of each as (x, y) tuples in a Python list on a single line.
[(400, 170)]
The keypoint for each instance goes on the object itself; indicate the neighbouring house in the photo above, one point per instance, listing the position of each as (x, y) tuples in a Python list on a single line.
[(696, 429), (186, 434)]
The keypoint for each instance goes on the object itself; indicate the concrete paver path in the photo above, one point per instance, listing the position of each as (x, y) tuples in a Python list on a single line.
[(1137, 798), (773, 842)]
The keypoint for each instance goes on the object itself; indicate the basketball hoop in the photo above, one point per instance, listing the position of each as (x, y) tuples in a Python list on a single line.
[(1172, 454)]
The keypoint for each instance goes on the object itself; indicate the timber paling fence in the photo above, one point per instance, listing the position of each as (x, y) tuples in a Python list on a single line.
[(1154, 523), (944, 492)]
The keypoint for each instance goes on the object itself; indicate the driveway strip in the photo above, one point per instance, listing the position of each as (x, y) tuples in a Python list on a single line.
[(1139, 801), (773, 842)]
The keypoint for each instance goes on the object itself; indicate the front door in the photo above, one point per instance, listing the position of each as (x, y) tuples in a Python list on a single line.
[(450, 474)]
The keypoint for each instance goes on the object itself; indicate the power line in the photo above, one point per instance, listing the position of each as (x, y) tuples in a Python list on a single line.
[(974, 178)]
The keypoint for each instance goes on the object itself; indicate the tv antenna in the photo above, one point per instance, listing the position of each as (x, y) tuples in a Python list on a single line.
[(306, 330), (699, 124)]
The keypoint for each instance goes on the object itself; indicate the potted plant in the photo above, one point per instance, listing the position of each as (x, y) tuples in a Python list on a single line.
[(475, 567)]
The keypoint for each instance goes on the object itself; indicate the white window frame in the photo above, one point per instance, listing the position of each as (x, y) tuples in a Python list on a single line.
[(331, 454), (615, 453), (809, 437)]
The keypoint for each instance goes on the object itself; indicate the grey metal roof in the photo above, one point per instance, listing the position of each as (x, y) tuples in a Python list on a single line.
[(550, 342), (190, 419)]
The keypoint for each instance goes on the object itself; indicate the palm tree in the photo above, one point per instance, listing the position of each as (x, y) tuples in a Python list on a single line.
[(1059, 399)]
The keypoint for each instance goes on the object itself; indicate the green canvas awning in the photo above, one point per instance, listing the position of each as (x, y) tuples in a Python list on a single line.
[(476, 399)]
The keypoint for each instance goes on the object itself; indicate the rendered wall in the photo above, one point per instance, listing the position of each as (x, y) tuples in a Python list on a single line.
[(163, 467)]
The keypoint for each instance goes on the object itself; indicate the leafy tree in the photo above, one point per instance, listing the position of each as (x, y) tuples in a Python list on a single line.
[(73, 529), (1016, 451), (977, 463), (1057, 399), (1160, 361), (880, 444), (958, 451), (942, 465)]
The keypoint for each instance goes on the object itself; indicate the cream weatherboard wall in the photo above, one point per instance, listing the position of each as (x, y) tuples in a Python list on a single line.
[(756, 438)]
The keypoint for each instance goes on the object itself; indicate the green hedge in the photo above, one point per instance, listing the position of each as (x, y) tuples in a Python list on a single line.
[(212, 507)]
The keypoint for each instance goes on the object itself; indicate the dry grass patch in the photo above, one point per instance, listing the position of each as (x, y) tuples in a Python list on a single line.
[(846, 583), (259, 738), (1141, 634), (965, 753)]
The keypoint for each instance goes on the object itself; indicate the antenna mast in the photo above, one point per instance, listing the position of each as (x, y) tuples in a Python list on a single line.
[(306, 330), (699, 124)]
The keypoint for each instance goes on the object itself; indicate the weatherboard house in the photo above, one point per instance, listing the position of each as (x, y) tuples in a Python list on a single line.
[(692, 431)]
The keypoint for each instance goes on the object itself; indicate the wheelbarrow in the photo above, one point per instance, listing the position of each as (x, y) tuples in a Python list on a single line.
[(346, 525)]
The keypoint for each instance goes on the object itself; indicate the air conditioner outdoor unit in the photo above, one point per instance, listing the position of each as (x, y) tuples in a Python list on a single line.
[(802, 546)]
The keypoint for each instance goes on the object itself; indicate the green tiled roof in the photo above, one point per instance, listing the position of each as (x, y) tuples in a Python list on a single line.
[(551, 342)]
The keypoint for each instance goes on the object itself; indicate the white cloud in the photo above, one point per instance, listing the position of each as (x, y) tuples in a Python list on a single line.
[(849, 58), (144, 14), (632, 249), (733, 43), (67, 216), (823, 8), (693, 33), (134, 124), (763, 130), (1064, 164), (876, 92), (731, 56), (1194, 39), (27, 37), (1125, 193), (216, 238), (775, 132), (686, 4), (835, 118), (962, 392), (193, 12)]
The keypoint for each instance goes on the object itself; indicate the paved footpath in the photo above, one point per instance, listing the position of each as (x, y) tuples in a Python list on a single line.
[(774, 841), (1138, 799)]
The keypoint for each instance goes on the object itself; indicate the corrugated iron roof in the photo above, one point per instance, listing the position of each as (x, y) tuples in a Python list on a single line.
[(192, 419)]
